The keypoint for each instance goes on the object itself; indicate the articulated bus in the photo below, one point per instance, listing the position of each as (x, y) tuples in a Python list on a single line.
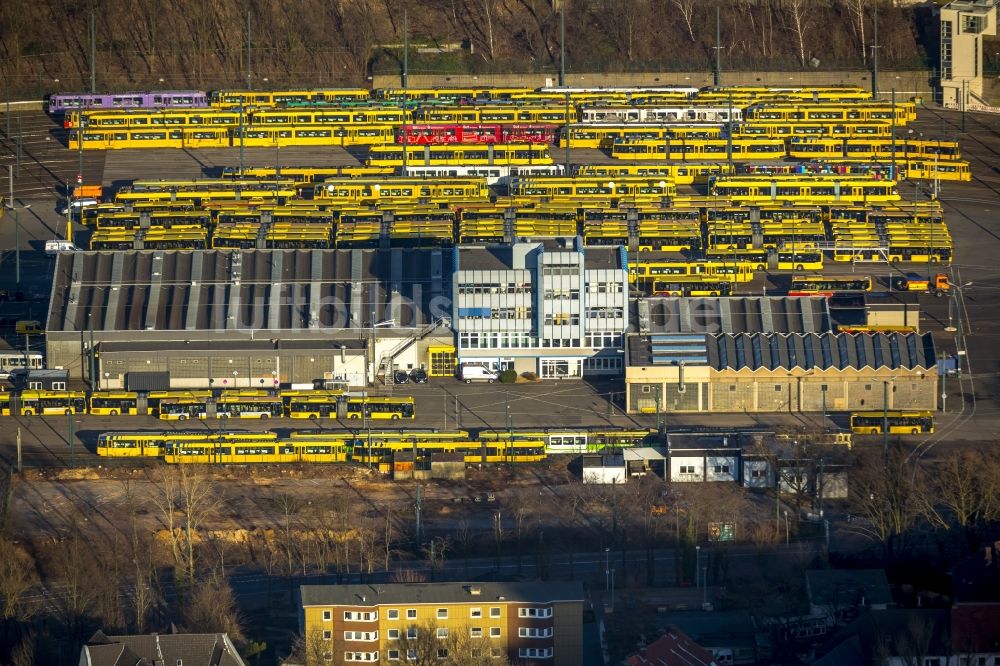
[(473, 451), (757, 259), (664, 115), (899, 422), (828, 285), (182, 409), (880, 148), (43, 403), (649, 269), (248, 407), (113, 403), (380, 408), (792, 130)]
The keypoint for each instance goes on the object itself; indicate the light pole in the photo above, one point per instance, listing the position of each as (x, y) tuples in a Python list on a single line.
[(697, 566), (607, 570), (235, 375), (786, 527), (885, 416)]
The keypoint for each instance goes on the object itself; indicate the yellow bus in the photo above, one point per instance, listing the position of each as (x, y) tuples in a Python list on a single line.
[(43, 403), (828, 285), (4, 403), (899, 422), (113, 403), (380, 408), (757, 259), (248, 407), (692, 287), (792, 130), (646, 270), (800, 261), (313, 406), (584, 440), (182, 409)]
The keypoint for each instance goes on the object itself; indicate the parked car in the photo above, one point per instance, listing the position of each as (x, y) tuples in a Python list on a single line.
[(418, 376), (400, 377)]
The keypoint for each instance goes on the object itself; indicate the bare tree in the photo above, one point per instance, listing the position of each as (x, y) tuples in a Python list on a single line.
[(858, 10), (17, 577), (884, 494), (199, 500), (799, 17), (211, 608), (686, 9), (166, 497), (141, 552), (429, 645), (963, 490)]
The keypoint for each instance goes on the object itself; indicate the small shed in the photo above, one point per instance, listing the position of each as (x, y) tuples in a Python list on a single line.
[(403, 464), (645, 459), (607, 468), (448, 466), (36, 379)]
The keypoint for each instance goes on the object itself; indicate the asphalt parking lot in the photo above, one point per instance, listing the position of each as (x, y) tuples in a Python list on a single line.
[(971, 210)]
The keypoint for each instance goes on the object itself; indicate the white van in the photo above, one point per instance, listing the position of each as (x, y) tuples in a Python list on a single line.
[(469, 373), (77, 205), (56, 246)]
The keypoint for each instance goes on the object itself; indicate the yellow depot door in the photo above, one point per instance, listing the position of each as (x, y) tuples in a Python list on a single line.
[(441, 361)]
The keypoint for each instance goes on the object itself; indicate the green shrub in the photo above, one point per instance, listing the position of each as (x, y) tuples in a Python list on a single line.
[(508, 377), (529, 376)]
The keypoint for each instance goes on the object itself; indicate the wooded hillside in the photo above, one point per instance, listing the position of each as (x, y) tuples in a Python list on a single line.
[(202, 43)]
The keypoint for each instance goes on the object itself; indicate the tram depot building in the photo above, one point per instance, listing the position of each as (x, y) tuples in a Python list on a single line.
[(266, 318), (770, 354)]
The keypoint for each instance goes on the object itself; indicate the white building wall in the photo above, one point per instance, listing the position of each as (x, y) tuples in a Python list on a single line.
[(693, 466), (721, 468), (604, 475)]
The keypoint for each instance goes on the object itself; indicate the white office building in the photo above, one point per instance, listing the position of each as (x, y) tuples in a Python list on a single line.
[(553, 308)]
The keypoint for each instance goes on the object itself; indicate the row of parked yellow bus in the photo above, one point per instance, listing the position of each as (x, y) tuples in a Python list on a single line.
[(206, 404)]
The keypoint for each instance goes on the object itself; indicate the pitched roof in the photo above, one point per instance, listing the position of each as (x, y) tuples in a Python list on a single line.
[(674, 648), (534, 592), (827, 351), (148, 649), (892, 632)]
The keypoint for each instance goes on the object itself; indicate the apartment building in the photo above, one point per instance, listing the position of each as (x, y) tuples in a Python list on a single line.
[(555, 308), (530, 623)]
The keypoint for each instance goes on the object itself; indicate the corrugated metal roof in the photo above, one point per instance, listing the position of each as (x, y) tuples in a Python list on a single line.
[(244, 289), (737, 314), (840, 351)]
